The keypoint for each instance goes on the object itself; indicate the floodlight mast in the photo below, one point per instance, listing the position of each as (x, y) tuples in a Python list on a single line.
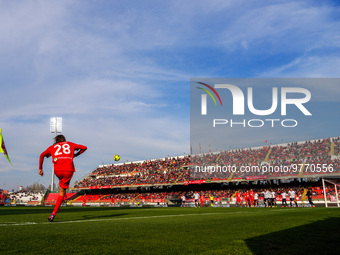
[(55, 127)]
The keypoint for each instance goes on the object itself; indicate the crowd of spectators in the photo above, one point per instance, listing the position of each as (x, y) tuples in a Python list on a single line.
[(217, 195), (230, 163), (336, 142), (24, 197), (300, 191), (3, 198), (307, 158), (311, 153), (161, 171)]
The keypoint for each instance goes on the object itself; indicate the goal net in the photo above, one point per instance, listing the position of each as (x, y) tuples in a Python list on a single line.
[(331, 188)]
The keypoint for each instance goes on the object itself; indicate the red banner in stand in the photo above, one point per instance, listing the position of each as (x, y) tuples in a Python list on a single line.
[(260, 177), (106, 187), (197, 182), (94, 187)]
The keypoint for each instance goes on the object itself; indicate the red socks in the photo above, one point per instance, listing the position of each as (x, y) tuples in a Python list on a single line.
[(57, 205)]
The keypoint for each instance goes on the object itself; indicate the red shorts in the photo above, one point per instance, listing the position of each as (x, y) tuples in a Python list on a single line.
[(64, 178)]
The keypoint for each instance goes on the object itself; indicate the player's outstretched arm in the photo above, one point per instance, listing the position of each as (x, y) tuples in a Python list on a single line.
[(47, 154), (81, 149)]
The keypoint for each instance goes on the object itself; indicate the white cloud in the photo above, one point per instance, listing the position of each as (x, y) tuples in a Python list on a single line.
[(283, 26), (313, 67), (309, 66)]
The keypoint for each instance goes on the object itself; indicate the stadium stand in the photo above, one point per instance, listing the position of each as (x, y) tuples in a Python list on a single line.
[(298, 160), (222, 195), (164, 181), (51, 197), (25, 197), (3, 197)]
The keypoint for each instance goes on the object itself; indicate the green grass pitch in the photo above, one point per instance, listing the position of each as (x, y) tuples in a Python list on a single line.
[(103, 230)]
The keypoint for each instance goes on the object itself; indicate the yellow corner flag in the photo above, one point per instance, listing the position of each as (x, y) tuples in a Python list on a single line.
[(3, 147)]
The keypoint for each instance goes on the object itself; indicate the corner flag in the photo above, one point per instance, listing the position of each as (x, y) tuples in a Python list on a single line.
[(3, 147)]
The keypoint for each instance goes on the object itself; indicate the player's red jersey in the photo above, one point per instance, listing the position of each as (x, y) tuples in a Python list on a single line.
[(62, 156), (251, 194), (246, 196), (238, 197)]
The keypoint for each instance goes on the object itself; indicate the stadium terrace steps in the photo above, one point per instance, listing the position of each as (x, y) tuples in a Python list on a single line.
[(300, 175), (73, 197), (217, 159), (52, 197), (331, 152), (231, 177), (77, 199), (90, 199), (100, 199), (266, 159), (180, 176)]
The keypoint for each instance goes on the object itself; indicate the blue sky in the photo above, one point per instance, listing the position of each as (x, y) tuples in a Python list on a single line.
[(118, 72)]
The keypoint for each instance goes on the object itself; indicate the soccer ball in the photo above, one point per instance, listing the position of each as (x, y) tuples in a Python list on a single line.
[(116, 157)]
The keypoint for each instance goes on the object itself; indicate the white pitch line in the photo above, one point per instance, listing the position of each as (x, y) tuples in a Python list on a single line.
[(98, 220), (17, 223), (131, 218)]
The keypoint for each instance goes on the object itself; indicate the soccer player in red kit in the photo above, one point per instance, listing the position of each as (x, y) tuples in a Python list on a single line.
[(84, 201), (62, 153), (202, 198), (251, 197), (238, 199), (246, 199)]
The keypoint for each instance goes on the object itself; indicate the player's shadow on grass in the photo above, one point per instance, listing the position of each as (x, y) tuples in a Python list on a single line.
[(91, 216), (321, 237)]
